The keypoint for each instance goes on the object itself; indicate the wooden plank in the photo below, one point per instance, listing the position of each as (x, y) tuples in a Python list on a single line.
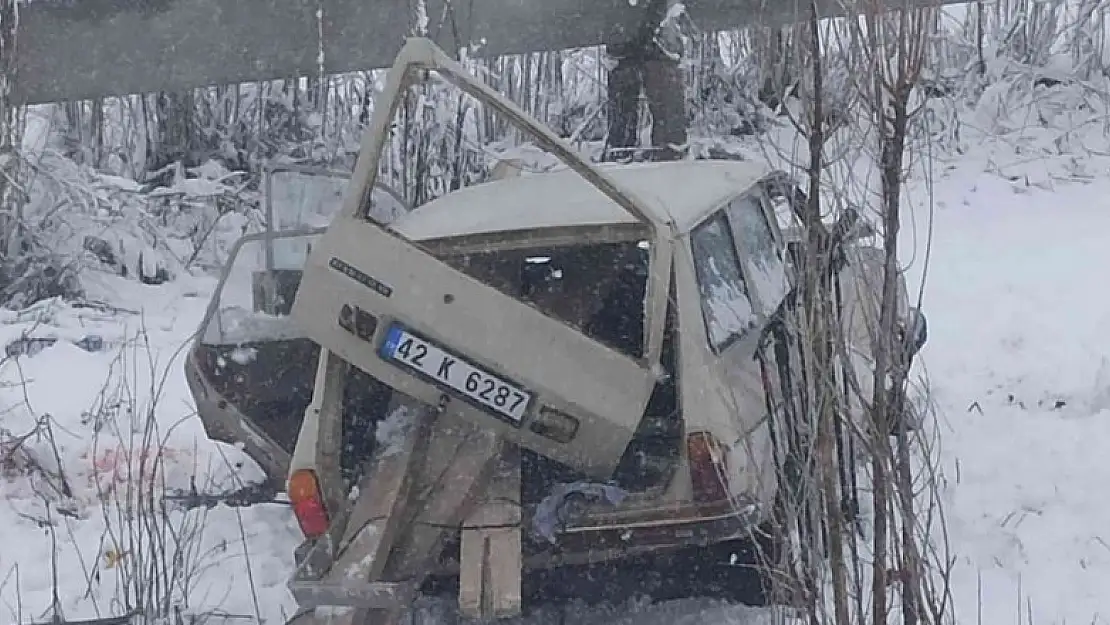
[(448, 494), (460, 460), (378, 515), (373, 526), (356, 594), (491, 560), (93, 48), (395, 531)]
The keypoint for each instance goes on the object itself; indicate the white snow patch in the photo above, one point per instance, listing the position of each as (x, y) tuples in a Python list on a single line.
[(234, 325), (392, 430), (367, 537), (730, 311), (98, 405), (244, 355), (1017, 361), (330, 612), (768, 279)]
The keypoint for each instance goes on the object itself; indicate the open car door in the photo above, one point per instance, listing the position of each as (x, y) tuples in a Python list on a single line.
[(389, 307)]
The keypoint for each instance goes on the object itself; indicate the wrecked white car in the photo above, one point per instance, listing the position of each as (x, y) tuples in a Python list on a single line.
[(524, 382)]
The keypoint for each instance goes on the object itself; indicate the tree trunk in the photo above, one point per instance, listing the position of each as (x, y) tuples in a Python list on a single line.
[(96, 128), (777, 69), (817, 303), (11, 196), (174, 138), (893, 150)]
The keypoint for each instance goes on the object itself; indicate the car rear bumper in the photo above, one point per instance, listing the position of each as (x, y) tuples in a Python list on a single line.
[(722, 524), (591, 546), (584, 541)]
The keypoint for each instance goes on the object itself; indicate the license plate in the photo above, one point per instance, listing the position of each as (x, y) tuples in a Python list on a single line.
[(485, 389)]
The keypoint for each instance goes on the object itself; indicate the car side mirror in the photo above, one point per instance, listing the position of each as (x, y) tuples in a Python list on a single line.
[(851, 227), (913, 331)]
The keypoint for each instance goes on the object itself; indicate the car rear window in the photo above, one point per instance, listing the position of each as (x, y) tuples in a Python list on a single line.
[(598, 289)]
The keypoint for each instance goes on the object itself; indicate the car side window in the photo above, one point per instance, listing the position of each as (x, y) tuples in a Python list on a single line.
[(724, 294), (766, 269), (786, 199)]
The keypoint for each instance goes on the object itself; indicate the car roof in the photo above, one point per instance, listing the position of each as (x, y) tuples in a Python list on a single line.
[(682, 191)]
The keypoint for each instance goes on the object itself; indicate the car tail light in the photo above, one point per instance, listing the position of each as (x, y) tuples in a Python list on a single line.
[(708, 467), (308, 503), (554, 424)]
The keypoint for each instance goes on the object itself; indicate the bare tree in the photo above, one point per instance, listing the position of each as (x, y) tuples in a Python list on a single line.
[(856, 98), (892, 42), (819, 320), (11, 194), (814, 473)]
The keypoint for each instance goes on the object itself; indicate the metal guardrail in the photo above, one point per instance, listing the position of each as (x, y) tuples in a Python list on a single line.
[(98, 48)]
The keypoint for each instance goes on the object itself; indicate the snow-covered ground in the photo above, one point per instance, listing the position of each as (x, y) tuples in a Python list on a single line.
[(1020, 362), (96, 404), (1018, 358)]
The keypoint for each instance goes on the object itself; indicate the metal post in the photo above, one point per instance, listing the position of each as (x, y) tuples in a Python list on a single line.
[(269, 287)]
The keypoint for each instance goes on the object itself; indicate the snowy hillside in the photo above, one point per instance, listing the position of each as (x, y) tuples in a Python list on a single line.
[(1018, 358)]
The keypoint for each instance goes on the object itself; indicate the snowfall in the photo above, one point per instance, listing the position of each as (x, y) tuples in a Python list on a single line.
[(1018, 361)]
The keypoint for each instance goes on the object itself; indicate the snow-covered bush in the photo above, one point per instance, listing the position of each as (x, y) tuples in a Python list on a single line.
[(79, 219)]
